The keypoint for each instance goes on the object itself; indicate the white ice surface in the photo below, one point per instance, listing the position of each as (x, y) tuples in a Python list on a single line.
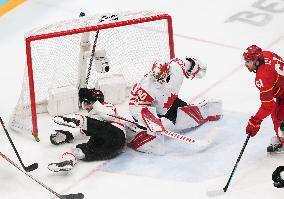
[(200, 30)]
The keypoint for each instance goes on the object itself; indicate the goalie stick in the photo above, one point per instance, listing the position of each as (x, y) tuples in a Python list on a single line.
[(222, 191), (69, 196), (155, 125), (28, 168), (103, 18)]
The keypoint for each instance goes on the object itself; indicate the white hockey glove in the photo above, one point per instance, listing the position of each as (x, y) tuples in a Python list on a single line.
[(101, 112), (194, 68)]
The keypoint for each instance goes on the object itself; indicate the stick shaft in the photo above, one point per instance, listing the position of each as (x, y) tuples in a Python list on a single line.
[(167, 133), (11, 142), (30, 176), (237, 162)]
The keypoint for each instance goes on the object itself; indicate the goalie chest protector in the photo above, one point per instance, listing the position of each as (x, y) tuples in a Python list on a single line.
[(63, 100)]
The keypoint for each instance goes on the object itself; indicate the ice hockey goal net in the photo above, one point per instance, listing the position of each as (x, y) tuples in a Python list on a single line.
[(57, 52)]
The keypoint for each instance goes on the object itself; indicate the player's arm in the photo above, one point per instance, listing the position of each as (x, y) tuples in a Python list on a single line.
[(102, 111), (191, 67), (265, 85), (267, 104)]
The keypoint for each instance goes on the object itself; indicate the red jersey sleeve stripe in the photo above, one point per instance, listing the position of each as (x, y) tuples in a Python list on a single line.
[(267, 101), (270, 89)]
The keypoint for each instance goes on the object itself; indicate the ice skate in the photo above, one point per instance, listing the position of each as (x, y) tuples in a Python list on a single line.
[(61, 166), (275, 146)]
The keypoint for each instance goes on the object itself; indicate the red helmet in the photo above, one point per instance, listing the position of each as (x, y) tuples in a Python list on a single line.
[(160, 70), (253, 53)]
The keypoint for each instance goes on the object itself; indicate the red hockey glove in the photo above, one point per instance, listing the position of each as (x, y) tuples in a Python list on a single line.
[(253, 126)]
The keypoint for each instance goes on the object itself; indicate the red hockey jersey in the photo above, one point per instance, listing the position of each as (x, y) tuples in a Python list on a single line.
[(270, 82)]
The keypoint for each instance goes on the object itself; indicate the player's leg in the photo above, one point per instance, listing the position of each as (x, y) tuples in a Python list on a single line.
[(106, 141), (140, 138), (147, 143), (277, 116), (194, 115)]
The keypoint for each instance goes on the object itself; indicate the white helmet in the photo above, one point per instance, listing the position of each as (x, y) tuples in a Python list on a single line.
[(160, 70)]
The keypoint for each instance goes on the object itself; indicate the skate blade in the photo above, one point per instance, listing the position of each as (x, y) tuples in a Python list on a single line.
[(58, 169)]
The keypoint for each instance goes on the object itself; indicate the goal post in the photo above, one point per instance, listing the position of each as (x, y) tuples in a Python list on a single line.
[(59, 55)]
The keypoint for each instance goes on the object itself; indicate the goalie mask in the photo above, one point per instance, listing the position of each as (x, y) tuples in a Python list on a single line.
[(160, 71), (90, 96)]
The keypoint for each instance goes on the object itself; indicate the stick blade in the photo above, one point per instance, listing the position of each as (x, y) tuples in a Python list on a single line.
[(32, 167), (210, 139), (215, 193), (212, 135), (72, 196)]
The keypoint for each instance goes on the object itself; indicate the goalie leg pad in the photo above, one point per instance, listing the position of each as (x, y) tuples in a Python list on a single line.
[(189, 116), (194, 115), (211, 109), (61, 137), (132, 130), (146, 143)]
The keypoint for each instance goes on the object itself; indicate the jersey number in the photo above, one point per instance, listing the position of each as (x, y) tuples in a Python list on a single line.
[(141, 93)]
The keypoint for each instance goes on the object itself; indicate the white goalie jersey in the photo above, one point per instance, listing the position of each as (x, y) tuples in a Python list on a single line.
[(158, 92), (159, 96), (149, 92)]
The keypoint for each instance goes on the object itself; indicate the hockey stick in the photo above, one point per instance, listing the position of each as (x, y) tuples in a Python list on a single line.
[(69, 196), (28, 168), (219, 192), (153, 122), (158, 128), (103, 18)]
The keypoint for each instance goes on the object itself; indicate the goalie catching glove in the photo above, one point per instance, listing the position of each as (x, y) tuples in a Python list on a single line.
[(194, 68), (61, 137)]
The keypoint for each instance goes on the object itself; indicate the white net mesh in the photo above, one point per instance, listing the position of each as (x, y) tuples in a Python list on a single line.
[(131, 50)]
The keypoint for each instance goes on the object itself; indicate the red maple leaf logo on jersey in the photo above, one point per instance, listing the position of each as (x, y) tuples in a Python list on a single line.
[(170, 101)]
